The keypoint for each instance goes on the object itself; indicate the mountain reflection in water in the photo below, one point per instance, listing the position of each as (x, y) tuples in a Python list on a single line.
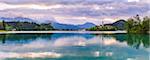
[(95, 46)]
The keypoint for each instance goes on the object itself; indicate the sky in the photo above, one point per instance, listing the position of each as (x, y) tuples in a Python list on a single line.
[(75, 11)]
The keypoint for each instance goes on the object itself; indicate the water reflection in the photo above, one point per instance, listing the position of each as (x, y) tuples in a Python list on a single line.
[(75, 45), (134, 40)]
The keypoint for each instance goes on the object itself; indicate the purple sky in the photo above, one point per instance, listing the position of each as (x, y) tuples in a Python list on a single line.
[(74, 11)]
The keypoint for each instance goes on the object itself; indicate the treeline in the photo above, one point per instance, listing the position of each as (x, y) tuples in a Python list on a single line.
[(103, 28), (138, 25), (131, 25), (118, 25), (24, 26)]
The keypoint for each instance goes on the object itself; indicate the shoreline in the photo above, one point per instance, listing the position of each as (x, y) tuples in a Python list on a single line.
[(92, 32)]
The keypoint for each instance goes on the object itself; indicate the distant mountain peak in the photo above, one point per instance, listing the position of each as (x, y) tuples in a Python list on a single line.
[(71, 26), (120, 24), (121, 20)]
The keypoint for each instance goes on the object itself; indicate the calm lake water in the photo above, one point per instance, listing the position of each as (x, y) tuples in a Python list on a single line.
[(73, 46)]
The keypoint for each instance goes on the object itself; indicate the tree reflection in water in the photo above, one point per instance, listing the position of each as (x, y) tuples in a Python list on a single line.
[(134, 40), (22, 38)]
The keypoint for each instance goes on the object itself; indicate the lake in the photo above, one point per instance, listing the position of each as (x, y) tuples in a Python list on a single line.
[(74, 46)]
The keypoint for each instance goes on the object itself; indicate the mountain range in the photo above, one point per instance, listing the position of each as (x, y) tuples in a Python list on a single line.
[(60, 26), (72, 27), (56, 25)]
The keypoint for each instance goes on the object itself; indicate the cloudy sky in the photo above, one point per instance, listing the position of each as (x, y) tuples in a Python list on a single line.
[(75, 11)]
